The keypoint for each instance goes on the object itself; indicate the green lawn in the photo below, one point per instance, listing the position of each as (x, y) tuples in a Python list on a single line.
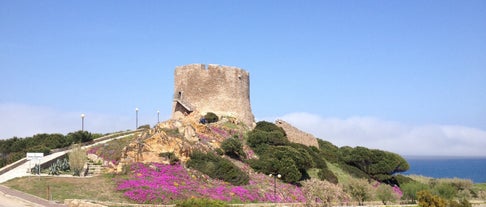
[(94, 188)]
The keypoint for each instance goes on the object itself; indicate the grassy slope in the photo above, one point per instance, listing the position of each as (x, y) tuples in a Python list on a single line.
[(94, 188)]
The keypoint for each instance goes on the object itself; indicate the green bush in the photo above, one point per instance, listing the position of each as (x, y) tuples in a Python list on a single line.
[(269, 127), (285, 167), (219, 151), (211, 117), (317, 157), (79, 137), (445, 190), (328, 151), (318, 160), (426, 199), (326, 174), (39, 148), (461, 203), (354, 171), (411, 189), (258, 137), (233, 148), (385, 194), (401, 180), (146, 126), (218, 168), (360, 190), (283, 160), (289, 171), (51, 141), (301, 157), (200, 202), (173, 159), (372, 161)]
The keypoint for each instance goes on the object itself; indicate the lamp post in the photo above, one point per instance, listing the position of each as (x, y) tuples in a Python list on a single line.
[(275, 176), (82, 122), (158, 115), (136, 118)]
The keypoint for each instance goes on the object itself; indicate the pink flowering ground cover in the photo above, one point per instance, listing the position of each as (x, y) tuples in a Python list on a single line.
[(165, 184)]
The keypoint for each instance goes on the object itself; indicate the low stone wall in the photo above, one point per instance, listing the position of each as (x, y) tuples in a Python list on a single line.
[(81, 203), (13, 165), (296, 135), (87, 203)]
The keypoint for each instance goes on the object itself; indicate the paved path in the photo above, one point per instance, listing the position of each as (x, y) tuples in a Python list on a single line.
[(24, 169), (13, 198)]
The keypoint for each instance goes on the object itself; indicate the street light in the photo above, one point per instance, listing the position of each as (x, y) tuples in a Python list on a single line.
[(82, 122), (275, 176), (136, 118), (158, 115)]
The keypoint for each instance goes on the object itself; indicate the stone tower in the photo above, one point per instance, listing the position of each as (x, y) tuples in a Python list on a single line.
[(223, 90)]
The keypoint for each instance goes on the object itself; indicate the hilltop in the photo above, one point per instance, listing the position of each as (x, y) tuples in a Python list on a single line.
[(228, 154), (225, 160), (212, 151)]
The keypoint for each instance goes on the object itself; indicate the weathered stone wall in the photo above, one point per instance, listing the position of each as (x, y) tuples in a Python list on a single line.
[(223, 90), (296, 135)]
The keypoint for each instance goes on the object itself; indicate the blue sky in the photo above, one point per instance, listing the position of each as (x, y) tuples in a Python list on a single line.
[(404, 76)]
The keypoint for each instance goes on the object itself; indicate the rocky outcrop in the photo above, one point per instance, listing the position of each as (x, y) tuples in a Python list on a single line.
[(296, 135), (180, 137)]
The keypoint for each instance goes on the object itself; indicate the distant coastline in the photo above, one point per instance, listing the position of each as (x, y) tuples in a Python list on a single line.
[(464, 167)]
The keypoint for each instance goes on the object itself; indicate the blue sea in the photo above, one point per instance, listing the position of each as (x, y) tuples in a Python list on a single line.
[(448, 167)]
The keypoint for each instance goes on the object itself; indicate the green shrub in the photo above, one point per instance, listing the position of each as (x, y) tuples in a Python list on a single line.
[(445, 190), (219, 151), (200, 202), (146, 126), (211, 117), (79, 137), (385, 194), (51, 141), (173, 159), (326, 174), (40, 148), (401, 180), (354, 171), (372, 161), (289, 171), (269, 127), (301, 157), (274, 164), (411, 189), (218, 168), (360, 190), (233, 148), (461, 203), (328, 151), (426, 199), (317, 157), (258, 137)]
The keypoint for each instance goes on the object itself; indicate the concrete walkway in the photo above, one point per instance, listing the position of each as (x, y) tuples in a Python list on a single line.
[(24, 169), (14, 198)]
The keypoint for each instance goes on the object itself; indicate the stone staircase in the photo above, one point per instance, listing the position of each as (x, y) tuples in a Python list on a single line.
[(93, 170)]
